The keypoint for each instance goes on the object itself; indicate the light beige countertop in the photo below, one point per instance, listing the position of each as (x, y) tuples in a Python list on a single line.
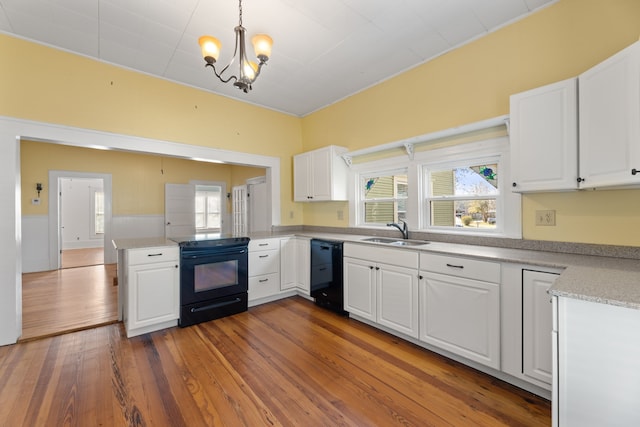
[(142, 242), (600, 279), (607, 280)]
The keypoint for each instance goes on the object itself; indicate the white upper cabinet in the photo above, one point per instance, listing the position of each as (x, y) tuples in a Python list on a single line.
[(544, 138), (610, 121), (320, 175), (548, 154)]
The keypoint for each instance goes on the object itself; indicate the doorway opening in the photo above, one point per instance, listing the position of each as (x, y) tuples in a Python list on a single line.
[(78, 290)]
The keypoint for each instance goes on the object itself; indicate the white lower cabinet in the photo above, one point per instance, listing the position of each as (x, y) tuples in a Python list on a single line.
[(264, 268), (295, 255), (460, 314), (152, 285), (382, 292), (537, 325)]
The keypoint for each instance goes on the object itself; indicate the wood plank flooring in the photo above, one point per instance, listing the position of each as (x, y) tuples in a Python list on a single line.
[(61, 301), (82, 257), (287, 363)]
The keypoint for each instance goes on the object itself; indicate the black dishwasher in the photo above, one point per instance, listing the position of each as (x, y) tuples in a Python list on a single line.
[(326, 275)]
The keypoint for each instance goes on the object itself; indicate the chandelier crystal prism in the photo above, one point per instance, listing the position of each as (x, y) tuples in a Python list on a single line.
[(248, 71)]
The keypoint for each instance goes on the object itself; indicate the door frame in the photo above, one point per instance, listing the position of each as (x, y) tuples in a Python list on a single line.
[(55, 244), (13, 130)]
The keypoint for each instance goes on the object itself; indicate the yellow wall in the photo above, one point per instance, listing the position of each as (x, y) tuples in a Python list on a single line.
[(44, 84), (474, 83), (466, 85), (137, 179)]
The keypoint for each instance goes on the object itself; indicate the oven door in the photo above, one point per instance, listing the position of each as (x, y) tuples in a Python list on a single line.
[(207, 274)]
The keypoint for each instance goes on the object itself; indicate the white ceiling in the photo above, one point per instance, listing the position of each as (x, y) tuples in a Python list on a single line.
[(324, 50)]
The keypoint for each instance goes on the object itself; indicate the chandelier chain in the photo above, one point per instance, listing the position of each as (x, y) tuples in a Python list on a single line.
[(240, 8)]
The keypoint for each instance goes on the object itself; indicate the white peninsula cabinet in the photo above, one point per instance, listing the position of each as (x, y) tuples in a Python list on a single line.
[(598, 349), (152, 288), (381, 285), (556, 146), (460, 306), (320, 175)]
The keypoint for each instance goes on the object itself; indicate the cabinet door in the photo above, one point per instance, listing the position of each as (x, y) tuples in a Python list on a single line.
[(288, 264), (544, 138), (537, 325), (302, 265), (154, 293), (610, 120), (302, 180), (461, 316), (359, 288), (397, 289), (321, 174)]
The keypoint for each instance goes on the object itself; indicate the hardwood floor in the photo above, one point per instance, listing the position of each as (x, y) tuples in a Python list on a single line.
[(287, 363), (82, 257), (61, 301)]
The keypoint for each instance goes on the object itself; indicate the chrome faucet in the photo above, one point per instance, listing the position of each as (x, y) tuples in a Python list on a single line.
[(403, 229)]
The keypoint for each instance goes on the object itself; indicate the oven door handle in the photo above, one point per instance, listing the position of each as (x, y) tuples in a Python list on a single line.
[(209, 253), (216, 305)]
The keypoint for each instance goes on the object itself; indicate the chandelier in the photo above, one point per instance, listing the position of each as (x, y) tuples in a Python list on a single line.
[(248, 71)]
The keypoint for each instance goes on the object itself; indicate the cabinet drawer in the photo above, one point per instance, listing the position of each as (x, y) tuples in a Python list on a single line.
[(376, 254), (152, 255), (264, 286), (264, 244), (264, 262), (485, 271)]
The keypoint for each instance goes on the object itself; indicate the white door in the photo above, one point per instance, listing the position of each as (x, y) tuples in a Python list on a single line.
[(258, 207), (360, 288), (179, 210)]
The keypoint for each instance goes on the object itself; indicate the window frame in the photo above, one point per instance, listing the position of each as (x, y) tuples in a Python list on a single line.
[(461, 162), (95, 233), (208, 188), (491, 147), (362, 199)]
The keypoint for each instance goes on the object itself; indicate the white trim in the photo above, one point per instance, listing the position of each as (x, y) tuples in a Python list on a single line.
[(409, 144), (55, 239), (12, 130)]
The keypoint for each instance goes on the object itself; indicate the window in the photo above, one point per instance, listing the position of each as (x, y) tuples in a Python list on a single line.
[(383, 197), (98, 212), (208, 207), (463, 196)]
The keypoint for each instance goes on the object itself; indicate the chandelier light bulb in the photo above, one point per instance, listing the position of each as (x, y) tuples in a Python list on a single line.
[(210, 47), (247, 70)]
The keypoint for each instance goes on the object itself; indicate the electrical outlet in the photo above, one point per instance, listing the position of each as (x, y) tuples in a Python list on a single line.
[(340, 215), (546, 217)]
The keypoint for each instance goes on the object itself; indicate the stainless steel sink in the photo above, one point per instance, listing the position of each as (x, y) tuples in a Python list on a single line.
[(379, 240), (394, 242)]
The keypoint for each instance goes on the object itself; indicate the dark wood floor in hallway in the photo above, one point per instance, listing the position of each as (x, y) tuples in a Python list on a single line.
[(286, 363)]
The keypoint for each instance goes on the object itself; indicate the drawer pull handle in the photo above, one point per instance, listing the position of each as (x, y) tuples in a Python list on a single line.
[(634, 171), (263, 244), (322, 269), (455, 266), (160, 254), (263, 280), (263, 256)]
